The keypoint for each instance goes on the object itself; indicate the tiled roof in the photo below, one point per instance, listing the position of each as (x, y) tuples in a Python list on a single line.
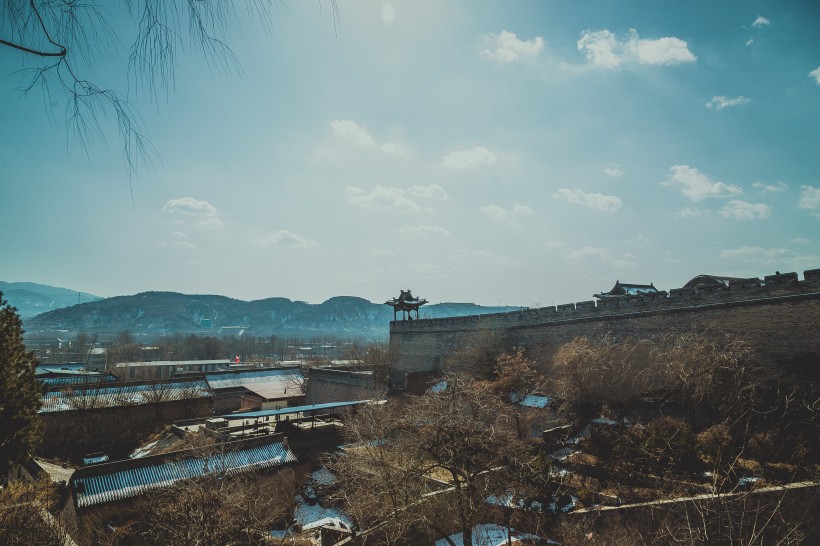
[(124, 479), (126, 395)]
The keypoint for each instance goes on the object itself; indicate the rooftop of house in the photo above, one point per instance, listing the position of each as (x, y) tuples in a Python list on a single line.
[(707, 281), (113, 481), (626, 289), (178, 363), (268, 383), (122, 395)]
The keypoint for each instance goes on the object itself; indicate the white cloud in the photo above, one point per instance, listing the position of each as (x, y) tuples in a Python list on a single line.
[(352, 132), (383, 253), (602, 255), (211, 223), (497, 259), (614, 170), (500, 214), (810, 200), (756, 253), (394, 148), (433, 190), (284, 237), (800, 241), (495, 212), (771, 188), (508, 48), (750, 41), (741, 210), (815, 74), (388, 13), (393, 199), (521, 210), (190, 207), (462, 159), (603, 49), (435, 271), (553, 244), (605, 203), (205, 213), (688, 212), (179, 239), (720, 102), (761, 22), (697, 186), (423, 230)]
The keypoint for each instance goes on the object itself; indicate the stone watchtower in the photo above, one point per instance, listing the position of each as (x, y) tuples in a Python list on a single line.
[(405, 303)]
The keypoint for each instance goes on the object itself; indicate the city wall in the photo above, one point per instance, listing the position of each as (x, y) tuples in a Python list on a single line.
[(779, 315)]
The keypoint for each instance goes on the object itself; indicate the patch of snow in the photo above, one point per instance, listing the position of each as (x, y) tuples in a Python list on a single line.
[(562, 454), (604, 421), (323, 476), (531, 400), (489, 534), (307, 515), (142, 451), (441, 386)]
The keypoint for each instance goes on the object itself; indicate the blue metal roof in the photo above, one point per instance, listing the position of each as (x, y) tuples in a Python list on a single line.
[(78, 379), (292, 410), (121, 483), (126, 395)]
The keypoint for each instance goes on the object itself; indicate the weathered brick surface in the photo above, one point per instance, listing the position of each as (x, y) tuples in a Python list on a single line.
[(327, 385), (780, 317)]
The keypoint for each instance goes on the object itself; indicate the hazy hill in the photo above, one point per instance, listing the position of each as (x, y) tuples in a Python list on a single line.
[(170, 312), (31, 299)]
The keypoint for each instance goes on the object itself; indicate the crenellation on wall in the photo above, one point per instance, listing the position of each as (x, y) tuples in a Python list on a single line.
[(780, 312), (811, 276), (781, 279), (745, 283), (738, 290), (609, 304)]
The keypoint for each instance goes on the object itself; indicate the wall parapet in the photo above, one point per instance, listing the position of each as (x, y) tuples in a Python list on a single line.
[(777, 285)]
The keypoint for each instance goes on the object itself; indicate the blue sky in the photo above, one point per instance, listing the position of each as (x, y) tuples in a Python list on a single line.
[(519, 153)]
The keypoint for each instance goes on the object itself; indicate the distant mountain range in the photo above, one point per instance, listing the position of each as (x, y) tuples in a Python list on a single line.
[(31, 299), (158, 313)]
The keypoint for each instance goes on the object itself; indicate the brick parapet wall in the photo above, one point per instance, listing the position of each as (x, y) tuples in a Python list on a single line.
[(780, 315), (328, 385)]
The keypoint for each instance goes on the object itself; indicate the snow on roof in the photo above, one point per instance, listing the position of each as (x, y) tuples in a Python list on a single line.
[(270, 383), (126, 395), (490, 534)]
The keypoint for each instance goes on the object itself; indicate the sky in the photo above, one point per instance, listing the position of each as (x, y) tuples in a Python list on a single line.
[(515, 153)]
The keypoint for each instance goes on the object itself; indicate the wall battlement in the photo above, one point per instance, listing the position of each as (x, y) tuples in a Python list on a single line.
[(746, 290), (779, 313)]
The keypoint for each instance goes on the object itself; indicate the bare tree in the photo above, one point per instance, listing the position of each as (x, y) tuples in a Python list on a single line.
[(433, 462), (24, 515), (66, 38)]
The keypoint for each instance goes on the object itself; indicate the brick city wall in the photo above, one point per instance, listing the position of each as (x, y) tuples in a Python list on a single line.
[(779, 316)]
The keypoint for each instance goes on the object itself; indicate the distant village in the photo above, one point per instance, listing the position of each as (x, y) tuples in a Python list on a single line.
[(555, 427)]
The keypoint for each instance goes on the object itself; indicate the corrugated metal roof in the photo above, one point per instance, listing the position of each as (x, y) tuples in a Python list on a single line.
[(124, 483), (127, 395), (78, 379)]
